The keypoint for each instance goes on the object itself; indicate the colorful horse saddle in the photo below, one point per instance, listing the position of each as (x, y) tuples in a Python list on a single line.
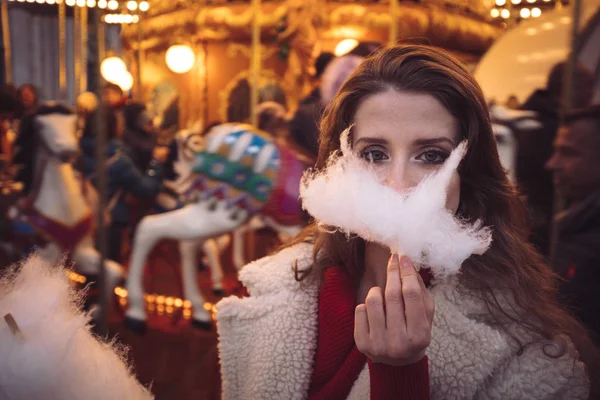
[(248, 169)]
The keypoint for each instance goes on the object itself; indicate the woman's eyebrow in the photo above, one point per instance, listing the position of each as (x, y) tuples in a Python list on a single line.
[(369, 140), (429, 142)]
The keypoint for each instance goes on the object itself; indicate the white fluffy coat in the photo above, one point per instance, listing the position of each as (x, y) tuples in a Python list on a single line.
[(57, 358), (268, 341)]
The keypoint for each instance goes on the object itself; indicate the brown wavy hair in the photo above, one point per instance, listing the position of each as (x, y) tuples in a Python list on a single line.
[(511, 268)]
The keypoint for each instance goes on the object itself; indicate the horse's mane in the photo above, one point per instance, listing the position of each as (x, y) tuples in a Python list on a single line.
[(27, 141)]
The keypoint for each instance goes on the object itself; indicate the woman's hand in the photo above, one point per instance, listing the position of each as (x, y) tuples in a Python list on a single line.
[(395, 329), (160, 153)]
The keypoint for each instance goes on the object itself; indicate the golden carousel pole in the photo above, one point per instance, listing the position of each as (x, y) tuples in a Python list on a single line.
[(255, 80), (393, 39), (83, 31), (101, 36), (76, 49), (62, 51), (138, 56), (101, 320), (255, 62), (7, 45), (203, 85)]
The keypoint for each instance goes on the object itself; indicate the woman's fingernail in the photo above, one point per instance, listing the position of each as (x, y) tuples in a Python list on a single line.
[(405, 262), (395, 258)]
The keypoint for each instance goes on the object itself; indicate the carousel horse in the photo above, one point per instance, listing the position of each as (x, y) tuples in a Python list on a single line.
[(54, 205), (187, 144), (240, 173)]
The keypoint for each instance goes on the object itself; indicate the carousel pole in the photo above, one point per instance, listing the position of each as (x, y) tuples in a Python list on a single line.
[(100, 326), (76, 49), (203, 85), (567, 104), (83, 55), (393, 39), (255, 67), (568, 92), (255, 76), (138, 56), (101, 34), (62, 51), (8, 75)]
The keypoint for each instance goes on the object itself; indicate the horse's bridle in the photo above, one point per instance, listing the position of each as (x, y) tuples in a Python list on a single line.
[(185, 145)]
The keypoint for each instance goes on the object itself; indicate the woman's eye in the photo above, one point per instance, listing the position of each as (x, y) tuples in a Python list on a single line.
[(433, 157), (373, 155)]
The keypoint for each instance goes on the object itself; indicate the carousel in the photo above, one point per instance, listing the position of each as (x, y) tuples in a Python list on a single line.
[(219, 59)]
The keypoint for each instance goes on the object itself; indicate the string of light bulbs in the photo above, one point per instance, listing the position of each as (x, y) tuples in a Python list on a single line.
[(113, 5)]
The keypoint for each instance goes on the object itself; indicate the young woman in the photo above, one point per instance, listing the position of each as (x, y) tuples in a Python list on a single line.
[(335, 318)]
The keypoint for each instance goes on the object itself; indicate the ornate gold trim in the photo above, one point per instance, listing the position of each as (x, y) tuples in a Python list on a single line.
[(233, 49)]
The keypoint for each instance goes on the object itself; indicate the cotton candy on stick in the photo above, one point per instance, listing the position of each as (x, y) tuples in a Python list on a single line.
[(347, 195), (55, 356)]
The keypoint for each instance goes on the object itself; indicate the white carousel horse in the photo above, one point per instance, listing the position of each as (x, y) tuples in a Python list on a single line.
[(55, 206), (239, 174), (188, 143)]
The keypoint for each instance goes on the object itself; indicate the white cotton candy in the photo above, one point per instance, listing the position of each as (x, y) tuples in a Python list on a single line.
[(348, 196), (57, 357)]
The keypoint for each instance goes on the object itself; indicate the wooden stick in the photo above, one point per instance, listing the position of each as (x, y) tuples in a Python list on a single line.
[(14, 327)]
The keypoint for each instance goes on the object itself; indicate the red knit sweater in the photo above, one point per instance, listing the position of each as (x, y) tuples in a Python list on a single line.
[(338, 362)]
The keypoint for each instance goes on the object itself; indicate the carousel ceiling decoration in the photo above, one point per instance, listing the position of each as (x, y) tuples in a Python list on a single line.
[(459, 24)]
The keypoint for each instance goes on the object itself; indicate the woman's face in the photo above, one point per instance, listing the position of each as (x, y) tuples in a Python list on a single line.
[(407, 136)]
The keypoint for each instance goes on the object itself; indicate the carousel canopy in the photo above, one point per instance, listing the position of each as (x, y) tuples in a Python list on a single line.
[(520, 61)]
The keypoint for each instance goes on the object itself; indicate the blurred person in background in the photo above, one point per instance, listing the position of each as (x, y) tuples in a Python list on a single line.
[(113, 96), (85, 105), (304, 126), (575, 166), (272, 118), (140, 135), (534, 147), (331, 73), (28, 100), (123, 176)]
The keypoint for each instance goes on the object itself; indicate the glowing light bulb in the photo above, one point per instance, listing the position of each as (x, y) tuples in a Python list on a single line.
[(536, 12), (495, 13), (180, 58), (345, 46), (113, 4), (525, 13), (505, 14), (144, 6), (132, 5), (102, 4)]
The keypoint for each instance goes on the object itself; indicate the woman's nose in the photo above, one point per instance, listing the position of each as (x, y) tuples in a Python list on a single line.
[(399, 178)]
